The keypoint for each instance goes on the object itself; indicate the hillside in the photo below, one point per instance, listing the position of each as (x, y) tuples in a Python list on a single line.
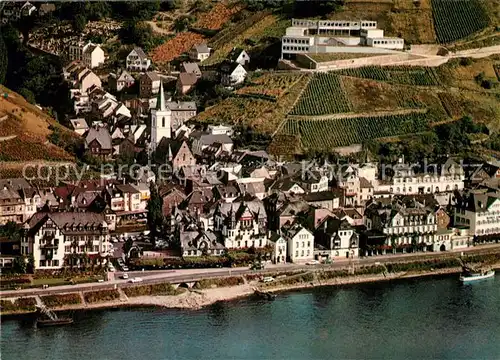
[(24, 132), (325, 111), (459, 24)]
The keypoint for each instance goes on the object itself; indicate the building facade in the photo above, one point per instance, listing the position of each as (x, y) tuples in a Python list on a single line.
[(56, 239)]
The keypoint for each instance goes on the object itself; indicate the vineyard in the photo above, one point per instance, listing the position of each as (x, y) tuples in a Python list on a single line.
[(263, 115), (174, 47), (331, 133), (452, 104), (406, 75), (455, 20), (324, 95), (271, 84), (216, 17), (238, 39)]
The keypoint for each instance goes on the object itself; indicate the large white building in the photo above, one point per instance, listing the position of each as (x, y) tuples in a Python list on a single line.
[(60, 238), (90, 54), (242, 224), (479, 210), (300, 243), (333, 36), (438, 178)]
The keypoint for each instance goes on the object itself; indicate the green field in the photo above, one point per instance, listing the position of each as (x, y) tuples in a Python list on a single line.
[(458, 19), (331, 133), (406, 75), (324, 95)]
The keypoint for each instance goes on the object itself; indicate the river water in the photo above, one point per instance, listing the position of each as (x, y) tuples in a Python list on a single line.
[(428, 318)]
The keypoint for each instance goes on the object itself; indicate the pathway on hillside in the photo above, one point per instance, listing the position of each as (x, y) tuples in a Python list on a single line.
[(423, 60), (358, 115)]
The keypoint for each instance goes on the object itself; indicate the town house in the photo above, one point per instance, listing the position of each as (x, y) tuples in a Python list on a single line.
[(98, 142), (336, 239), (199, 52), (149, 84), (137, 60), (90, 54), (479, 210), (200, 242), (57, 239), (243, 224), (300, 243), (279, 245), (239, 56), (232, 74), (118, 82)]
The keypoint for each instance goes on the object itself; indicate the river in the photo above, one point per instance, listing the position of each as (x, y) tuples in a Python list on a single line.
[(428, 318)]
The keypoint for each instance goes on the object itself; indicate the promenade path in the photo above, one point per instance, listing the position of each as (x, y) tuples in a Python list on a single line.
[(193, 275)]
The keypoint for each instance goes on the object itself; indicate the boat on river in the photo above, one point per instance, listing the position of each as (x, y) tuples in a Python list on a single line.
[(266, 295), (55, 322), (47, 318), (469, 276)]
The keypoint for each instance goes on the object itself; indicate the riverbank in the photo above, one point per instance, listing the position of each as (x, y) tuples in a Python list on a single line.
[(194, 299)]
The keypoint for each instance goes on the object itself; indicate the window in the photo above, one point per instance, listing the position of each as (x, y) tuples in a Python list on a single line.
[(297, 244), (55, 263), (303, 244), (302, 253), (296, 254), (162, 122), (308, 245)]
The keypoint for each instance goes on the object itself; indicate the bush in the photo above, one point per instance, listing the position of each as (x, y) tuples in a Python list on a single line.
[(155, 289), (101, 295), (423, 265), (60, 300), (21, 304), (219, 282)]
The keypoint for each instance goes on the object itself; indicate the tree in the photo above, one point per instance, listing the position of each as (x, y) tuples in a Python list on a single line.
[(79, 23), (4, 60), (19, 265), (138, 33), (28, 95), (155, 211)]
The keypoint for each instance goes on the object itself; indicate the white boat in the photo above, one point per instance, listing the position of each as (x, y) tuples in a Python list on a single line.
[(474, 276)]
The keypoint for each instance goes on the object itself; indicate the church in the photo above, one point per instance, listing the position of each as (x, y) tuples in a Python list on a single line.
[(161, 120)]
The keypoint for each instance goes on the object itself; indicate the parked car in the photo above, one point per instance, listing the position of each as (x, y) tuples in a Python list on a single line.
[(313, 262), (124, 268), (268, 279), (135, 280), (124, 276)]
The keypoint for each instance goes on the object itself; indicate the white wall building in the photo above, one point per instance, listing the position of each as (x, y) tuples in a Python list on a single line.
[(332, 36), (480, 211), (50, 237), (300, 244), (137, 60), (90, 54), (242, 224)]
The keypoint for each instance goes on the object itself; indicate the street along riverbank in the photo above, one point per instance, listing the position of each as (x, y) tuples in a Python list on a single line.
[(210, 291)]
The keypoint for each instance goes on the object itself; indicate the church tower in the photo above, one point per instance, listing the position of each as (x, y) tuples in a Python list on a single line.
[(161, 119)]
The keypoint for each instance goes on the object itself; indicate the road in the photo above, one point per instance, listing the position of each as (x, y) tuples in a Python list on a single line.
[(192, 275)]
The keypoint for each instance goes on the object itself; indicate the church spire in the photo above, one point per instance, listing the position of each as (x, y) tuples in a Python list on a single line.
[(160, 101)]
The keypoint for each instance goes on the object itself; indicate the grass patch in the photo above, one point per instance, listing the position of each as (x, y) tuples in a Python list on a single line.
[(219, 282), (154, 289), (101, 296)]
